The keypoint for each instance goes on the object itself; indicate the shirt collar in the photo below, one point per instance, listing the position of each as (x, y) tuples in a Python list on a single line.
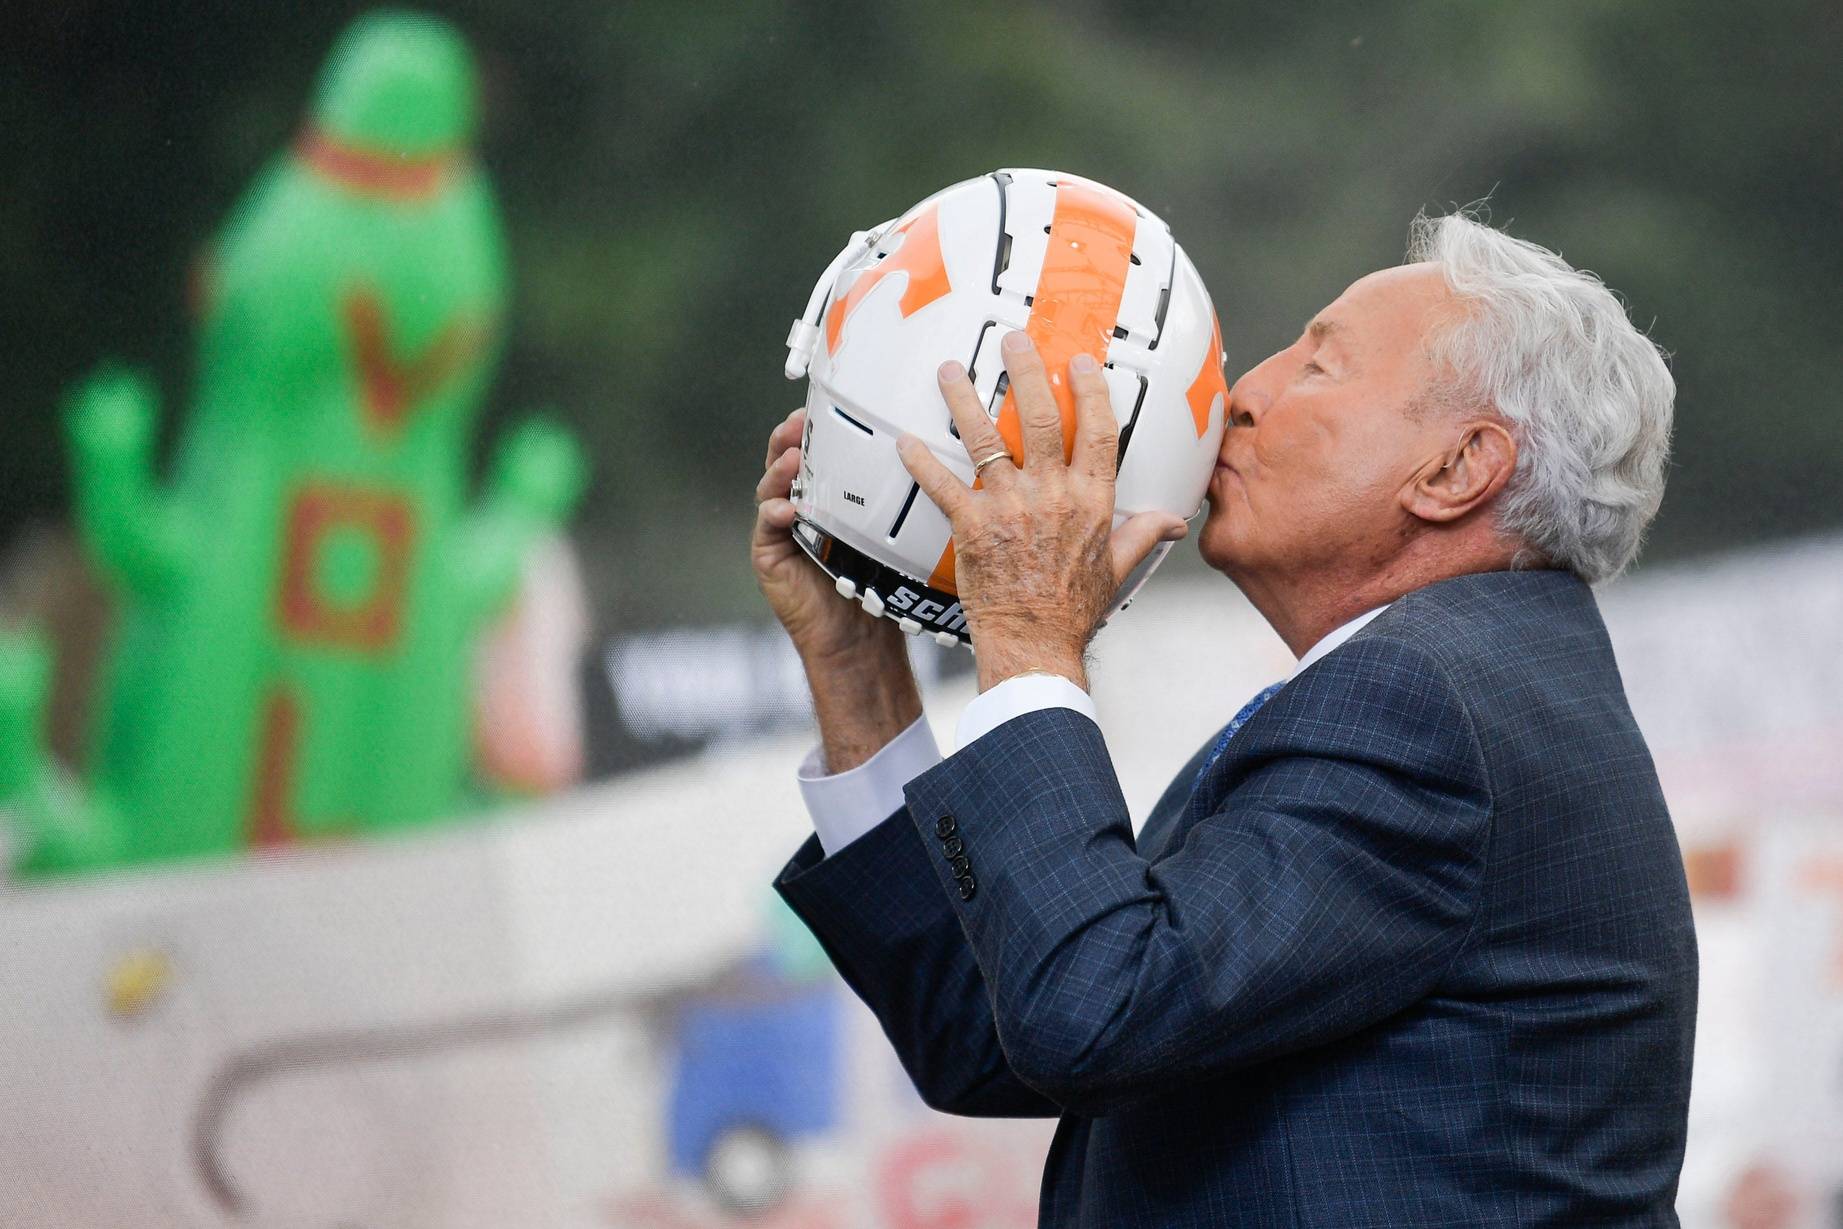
[(1334, 638)]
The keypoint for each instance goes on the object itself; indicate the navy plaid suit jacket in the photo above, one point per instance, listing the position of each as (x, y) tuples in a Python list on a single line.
[(1425, 960)]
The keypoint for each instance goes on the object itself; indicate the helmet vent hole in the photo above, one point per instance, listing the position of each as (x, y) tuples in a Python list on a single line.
[(1126, 432), (1134, 257), (998, 393), (896, 525), (1001, 260), (854, 422), (1164, 301), (1158, 320), (1118, 331), (972, 366)]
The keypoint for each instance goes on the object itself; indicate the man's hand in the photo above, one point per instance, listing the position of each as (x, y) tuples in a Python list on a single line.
[(800, 594), (864, 693), (1037, 559)]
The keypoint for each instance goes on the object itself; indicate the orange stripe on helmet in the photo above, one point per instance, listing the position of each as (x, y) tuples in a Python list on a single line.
[(1074, 310), (1210, 380), (919, 257), (943, 577)]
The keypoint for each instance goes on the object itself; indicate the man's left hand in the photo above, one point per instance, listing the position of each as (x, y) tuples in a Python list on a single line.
[(1037, 560)]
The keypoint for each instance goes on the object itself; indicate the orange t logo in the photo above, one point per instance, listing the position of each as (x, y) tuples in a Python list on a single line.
[(919, 257), (1211, 381)]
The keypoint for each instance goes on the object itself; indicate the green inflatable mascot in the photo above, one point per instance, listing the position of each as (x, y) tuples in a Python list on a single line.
[(300, 606)]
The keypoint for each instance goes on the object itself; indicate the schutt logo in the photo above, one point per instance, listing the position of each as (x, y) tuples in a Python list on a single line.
[(926, 610)]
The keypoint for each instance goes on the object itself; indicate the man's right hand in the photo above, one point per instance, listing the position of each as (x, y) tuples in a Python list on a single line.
[(802, 597), (864, 693)]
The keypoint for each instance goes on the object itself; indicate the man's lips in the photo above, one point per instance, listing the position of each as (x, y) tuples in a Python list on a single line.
[(1221, 474)]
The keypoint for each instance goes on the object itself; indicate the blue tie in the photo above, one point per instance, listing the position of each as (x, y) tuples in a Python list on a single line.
[(1222, 740)]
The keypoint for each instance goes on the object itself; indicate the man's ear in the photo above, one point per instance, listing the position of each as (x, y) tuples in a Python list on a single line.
[(1466, 476)]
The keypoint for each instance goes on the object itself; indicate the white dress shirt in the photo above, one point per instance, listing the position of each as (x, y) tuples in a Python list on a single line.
[(846, 805)]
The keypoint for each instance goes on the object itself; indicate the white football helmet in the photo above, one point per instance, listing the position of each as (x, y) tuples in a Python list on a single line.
[(1078, 267)]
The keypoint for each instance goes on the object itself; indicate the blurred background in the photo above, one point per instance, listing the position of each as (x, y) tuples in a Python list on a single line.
[(669, 180)]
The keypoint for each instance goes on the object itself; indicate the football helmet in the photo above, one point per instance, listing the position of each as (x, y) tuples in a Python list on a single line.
[(1074, 264)]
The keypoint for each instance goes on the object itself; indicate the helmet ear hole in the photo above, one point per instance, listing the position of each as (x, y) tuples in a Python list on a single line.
[(1079, 267)]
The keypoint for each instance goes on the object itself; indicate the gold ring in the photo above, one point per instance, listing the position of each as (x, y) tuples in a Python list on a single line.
[(982, 462)]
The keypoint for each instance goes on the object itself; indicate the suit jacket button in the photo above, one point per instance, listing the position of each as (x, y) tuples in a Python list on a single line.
[(961, 866), (967, 887), (952, 846), (944, 826)]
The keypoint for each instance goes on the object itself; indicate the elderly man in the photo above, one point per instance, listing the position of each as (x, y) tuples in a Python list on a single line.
[(1408, 943)]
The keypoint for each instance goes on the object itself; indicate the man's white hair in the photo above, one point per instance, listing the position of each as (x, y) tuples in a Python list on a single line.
[(1587, 394)]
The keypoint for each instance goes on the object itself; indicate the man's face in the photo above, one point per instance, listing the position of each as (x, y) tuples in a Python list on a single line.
[(1321, 439)]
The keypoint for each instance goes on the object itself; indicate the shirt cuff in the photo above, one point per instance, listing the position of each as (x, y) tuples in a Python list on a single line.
[(1020, 694), (846, 805)]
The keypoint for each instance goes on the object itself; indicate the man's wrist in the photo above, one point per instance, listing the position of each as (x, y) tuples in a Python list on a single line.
[(1001, 658), (851, 642), (1016, 696), (862, 697), (876, 650)]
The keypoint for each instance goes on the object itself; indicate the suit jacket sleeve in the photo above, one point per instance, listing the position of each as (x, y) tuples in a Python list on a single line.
[(1333, 884), (878, 912)]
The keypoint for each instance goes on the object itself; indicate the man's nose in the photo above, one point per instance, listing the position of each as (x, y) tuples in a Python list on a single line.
[(1247, 401)]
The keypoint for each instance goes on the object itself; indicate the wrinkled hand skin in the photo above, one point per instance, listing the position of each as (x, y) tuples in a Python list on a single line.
[(819, 622), (857, 666), (1037, 561), (1036, 574)]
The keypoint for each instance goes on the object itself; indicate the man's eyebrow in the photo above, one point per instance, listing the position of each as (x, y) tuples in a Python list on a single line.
[(1321, 331)]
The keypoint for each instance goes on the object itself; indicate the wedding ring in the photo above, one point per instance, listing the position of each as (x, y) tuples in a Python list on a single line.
[(982, 462)]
